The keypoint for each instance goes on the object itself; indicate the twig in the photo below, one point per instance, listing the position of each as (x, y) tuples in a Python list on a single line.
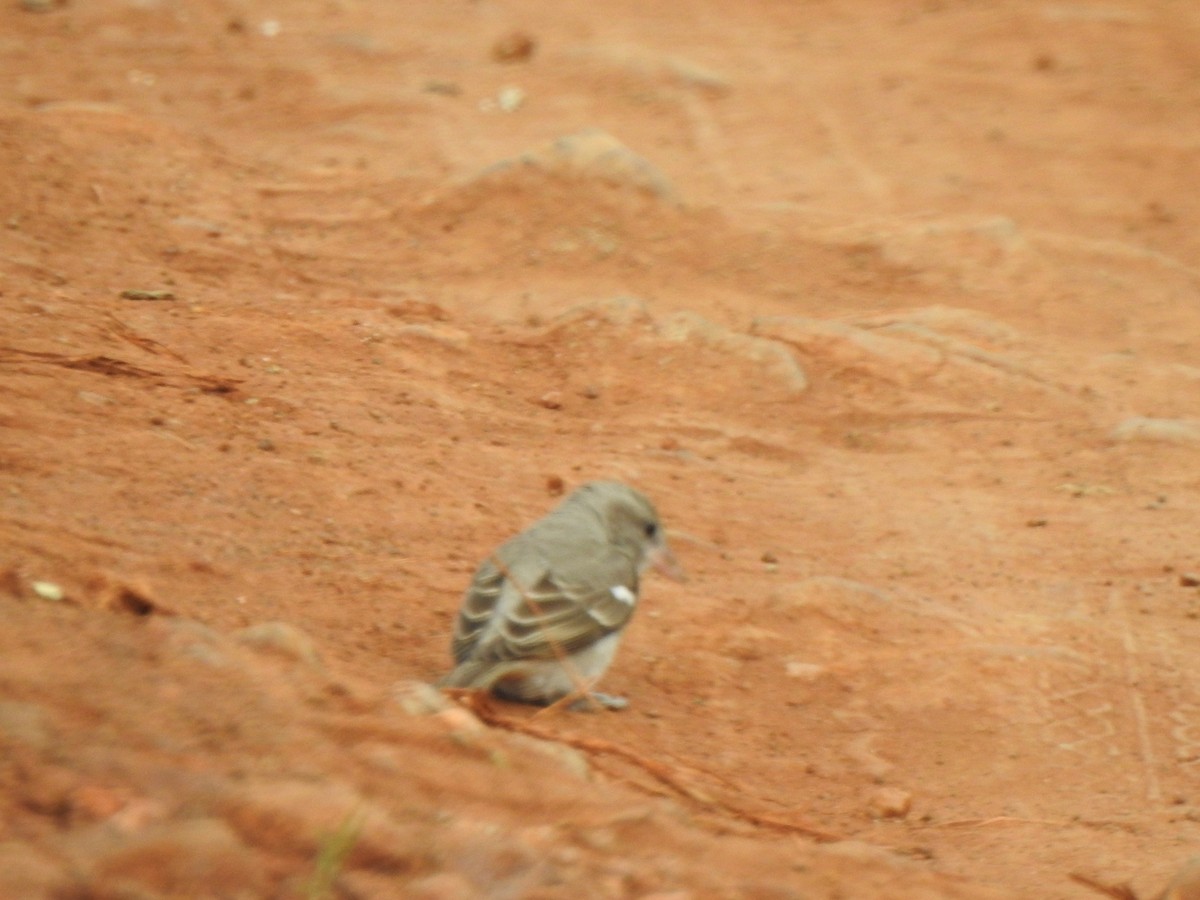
[(659, 771)]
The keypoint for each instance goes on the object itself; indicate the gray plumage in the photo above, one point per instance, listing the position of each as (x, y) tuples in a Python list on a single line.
[(545, 611)]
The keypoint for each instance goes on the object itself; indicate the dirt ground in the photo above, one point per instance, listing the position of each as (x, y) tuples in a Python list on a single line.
[(892, 308)]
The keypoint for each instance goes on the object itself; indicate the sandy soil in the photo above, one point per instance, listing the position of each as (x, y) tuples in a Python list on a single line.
[(892, 308)]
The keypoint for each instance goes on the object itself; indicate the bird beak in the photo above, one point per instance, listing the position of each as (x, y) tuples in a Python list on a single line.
[(662, 559)]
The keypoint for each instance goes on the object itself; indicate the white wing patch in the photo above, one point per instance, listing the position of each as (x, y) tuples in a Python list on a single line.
[(624, 594)]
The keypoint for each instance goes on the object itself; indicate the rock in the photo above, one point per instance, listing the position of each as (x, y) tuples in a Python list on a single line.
[(419, 699), (804, 671), (551, 400), (774, 357), (1171, 431), (517, 46), (890, 803), (48, 590), (459, 722), (282, 638), (590, 154)]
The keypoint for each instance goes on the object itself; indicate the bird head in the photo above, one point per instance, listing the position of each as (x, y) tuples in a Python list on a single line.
[(633, 525)]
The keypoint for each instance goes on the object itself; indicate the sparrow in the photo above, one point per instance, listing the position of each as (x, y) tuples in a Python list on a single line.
[(543, 615)]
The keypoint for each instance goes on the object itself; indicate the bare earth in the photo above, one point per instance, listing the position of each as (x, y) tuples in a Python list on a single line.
[(892, 308)]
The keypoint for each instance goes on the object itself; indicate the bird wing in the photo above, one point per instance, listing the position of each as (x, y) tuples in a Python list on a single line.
[(503, 618), (478, 607)]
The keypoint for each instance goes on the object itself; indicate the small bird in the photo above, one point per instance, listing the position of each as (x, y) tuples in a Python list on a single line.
[(544, 613)]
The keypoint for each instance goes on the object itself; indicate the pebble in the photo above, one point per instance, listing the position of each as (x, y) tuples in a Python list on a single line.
[(517, 46), (419, 699), (804, 671), (551, 400), (48, 590), (891, 803)]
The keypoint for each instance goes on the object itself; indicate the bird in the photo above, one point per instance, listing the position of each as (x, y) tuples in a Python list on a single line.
[(543, 615)]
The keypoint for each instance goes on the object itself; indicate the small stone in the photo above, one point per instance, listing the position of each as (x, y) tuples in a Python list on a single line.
[(515, 47), (1189, 579), (591, 392), (48, 590), (266, 444), (1037, 523), (282, 638), (770, 558), (510, 98), (555, 486), (891, 803), (419, 699), (551, 400), (459, 721), (804, 671)]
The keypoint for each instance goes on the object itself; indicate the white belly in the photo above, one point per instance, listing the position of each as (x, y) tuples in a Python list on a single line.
[(545, 681)]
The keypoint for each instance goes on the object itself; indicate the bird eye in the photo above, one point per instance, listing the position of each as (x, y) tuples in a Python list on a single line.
[(651, 529)]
